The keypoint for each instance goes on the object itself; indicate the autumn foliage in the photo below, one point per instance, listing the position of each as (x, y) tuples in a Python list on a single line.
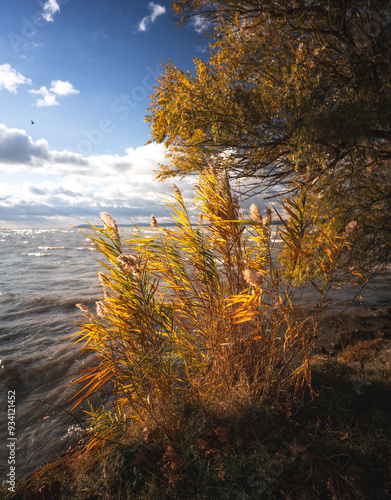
[(192, 312), (293, 92)]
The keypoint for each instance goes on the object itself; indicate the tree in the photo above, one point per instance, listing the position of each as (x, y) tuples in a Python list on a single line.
[(295, 92)]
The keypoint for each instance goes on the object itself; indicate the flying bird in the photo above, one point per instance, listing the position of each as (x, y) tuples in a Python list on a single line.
[(32, 123)]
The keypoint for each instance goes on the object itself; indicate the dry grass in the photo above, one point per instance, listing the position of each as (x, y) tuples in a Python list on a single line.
[(192, 312), (332, 446)]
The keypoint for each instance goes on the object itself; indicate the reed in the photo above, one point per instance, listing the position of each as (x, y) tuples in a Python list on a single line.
[(194, 312)]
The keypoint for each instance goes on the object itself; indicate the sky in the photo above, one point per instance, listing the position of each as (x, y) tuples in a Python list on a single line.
[(75, 82)]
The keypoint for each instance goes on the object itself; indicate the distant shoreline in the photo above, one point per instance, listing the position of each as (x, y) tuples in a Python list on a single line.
[(147, 224)]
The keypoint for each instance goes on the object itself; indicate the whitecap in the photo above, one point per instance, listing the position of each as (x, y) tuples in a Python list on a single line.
[(51, 248), (73, 431), (91, 248), (39, 254)]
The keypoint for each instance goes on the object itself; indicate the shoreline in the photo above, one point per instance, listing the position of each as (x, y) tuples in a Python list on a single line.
[(351, 327)]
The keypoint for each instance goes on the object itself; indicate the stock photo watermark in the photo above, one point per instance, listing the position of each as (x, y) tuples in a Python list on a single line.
[(262, 479), (10, 481), (121, 107), (30, 26)]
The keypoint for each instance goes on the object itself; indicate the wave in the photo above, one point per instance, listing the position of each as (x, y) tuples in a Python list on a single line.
[(72, 301), (39, 254), (5, 296), (23, 306), (52, 248), (91, 248)]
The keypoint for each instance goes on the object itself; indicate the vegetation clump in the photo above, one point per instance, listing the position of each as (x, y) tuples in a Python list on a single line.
[(192, 312)]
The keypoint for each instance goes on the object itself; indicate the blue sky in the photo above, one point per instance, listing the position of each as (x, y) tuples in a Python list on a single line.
[(83, 71)]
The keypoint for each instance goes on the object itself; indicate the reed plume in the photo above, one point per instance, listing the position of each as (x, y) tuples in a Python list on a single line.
[(191, 312), (255, 213)]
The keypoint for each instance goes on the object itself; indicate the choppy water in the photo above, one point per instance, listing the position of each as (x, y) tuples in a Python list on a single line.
[(43, 275)]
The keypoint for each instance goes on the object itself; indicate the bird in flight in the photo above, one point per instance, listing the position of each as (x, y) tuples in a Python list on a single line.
[(32, 123)]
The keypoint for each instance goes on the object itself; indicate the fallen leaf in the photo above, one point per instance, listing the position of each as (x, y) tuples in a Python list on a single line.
[(214, 452), (223, 433), (48, 492), (203, 445), (344, 437), (138, 459), (171, 457)]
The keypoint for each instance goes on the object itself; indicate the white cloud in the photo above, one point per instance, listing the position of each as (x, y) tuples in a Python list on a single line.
[(156, 11), (62, 88), (200, 23), (48, 186), (57, 88), (48, 99), (10, 78), (17, 148), (49, 9), (204, 49), (41, 187)]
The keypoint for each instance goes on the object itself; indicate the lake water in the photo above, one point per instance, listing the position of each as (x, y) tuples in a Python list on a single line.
[(44, 273)]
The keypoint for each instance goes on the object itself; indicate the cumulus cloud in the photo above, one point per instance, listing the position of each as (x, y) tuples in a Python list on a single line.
[(156, 11), (18, 152), (49, 9), (10, 78), (47, 98), (62, 88), (58, 88), (17, 148), (66, 187)]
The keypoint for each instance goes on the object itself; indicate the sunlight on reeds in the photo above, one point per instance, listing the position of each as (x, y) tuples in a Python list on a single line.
[(192, 312)]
